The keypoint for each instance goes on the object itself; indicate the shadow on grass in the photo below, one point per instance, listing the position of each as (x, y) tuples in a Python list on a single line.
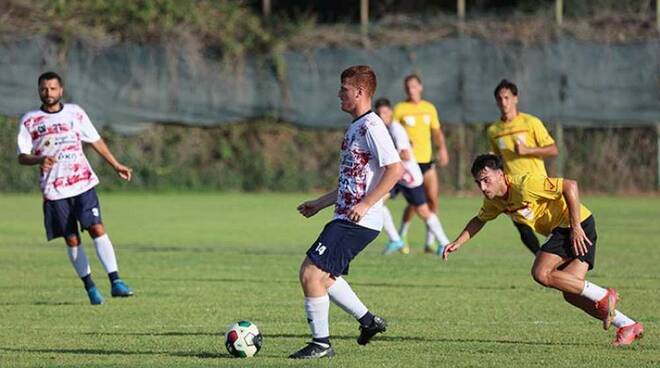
[(218, 249), (39, 302), (80, 351), (292, 281), (394, 338), (384, 338)]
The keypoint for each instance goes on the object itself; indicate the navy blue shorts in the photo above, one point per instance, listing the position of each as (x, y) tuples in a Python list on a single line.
[(414, 196), (339, 242), (61, 217)]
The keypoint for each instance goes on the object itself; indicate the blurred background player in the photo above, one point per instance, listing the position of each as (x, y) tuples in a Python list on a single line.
[(522, 141), (550, 206), (411, 185), (52, 137), (369, 167), (420, 119)]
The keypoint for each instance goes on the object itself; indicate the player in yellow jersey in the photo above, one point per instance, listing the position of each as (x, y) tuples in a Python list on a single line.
[(420, 119), (521, 140), (550, 206)]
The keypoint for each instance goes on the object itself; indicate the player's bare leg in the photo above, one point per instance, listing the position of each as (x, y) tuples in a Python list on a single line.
[(627, 329), (431, 188), (106, 254), (579, 269), (568, 276)]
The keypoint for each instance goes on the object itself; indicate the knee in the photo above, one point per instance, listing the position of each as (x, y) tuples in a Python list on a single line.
[(307, 274), (423, 211), (542, 276), (96, 230), (72, 241)]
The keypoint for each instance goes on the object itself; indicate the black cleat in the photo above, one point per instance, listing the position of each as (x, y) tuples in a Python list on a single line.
[(378, 325), (314, 351)]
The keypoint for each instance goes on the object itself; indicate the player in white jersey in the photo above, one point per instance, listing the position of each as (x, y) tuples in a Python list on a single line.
[(369, 167), (411, 185), (52, 137)]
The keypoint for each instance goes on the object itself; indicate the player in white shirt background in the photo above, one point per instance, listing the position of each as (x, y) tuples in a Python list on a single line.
[(52, 137), (369, 167), (411, 185)]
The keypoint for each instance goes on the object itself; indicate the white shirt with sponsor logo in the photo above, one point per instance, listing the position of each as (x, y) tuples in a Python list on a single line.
[(60, 134), (412, 176), (365, 151)]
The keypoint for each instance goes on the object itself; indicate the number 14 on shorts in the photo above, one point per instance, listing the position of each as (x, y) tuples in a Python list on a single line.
[(320, 248)]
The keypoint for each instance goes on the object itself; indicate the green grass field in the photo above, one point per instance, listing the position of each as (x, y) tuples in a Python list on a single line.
[(199, 262)]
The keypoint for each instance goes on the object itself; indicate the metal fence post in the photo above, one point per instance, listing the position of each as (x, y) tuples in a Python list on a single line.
[(559, 11), (364, 22), (461, 165)]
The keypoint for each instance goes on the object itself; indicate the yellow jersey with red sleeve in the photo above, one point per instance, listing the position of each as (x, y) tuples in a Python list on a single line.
[(418, 119), (527, 129), (534, 200)]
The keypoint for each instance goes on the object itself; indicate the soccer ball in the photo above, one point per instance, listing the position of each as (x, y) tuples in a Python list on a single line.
[(243, 339)]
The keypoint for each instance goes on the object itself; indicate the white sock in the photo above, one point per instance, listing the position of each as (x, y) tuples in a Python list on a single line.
[(106, 253), (434, 229), (317, 310), (429, 237), (593, 292), (78, 259), (342, 295), (388, 225), (403, 230), (621, 320)]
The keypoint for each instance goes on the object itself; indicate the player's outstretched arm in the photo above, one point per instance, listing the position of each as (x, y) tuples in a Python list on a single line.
[(124, 172), (391, 175), (579, 239), (311, 208), (471, 229), (45, 162)]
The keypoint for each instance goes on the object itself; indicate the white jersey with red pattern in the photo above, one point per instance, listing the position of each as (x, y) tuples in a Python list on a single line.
[(365, 151), (412, 176), (60, 134)]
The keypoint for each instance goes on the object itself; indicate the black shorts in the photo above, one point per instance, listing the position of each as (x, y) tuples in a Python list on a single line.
[(414, 196), (339, 242), (559, 242), (61, 217), (426, 166)]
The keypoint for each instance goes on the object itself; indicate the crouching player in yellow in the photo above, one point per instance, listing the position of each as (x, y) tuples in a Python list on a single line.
[(552, 208)]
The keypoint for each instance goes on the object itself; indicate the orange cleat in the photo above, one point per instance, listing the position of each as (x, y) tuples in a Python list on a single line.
[(626, 335), (607, 307)]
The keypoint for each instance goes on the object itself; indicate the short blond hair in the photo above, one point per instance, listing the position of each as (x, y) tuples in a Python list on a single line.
[(360, 76)]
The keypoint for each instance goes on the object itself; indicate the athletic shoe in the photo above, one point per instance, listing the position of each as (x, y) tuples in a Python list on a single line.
[(119, 288), (314, 350), (626, 335), (440, 250), (431, 249), (95, 297), (378, 325), (606, 307), (393, 246)]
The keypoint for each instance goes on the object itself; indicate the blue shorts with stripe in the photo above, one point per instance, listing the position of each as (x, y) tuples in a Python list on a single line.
[(61, 217), (337, 245)]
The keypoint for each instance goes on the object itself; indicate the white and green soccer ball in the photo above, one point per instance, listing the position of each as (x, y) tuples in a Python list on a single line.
[(243, 339)]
